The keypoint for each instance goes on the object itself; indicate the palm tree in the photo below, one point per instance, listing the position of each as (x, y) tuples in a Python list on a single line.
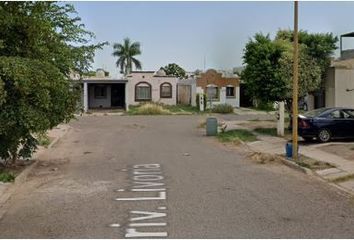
[(125, 53)]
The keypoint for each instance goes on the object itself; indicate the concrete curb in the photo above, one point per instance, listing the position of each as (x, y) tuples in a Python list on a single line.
[(22, 177), (317, 176), (309, 172), (297, 167)]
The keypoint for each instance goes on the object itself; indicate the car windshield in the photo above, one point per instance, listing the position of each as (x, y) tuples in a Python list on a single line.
[(315, 113)]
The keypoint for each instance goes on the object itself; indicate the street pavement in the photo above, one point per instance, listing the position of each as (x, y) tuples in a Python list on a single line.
[(159, 176)]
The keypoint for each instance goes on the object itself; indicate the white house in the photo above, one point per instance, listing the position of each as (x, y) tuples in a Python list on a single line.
[(145, 86), (339, 84)]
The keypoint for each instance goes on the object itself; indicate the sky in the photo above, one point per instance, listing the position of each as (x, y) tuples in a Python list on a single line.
[(202, 35)]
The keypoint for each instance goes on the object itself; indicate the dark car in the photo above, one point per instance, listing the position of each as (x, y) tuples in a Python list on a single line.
[(325, 124)]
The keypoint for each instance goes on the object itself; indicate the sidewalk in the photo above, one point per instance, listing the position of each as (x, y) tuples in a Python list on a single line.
[(275, 145), (7, 189)]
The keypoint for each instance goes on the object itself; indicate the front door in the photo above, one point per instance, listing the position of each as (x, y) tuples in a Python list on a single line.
[(118, 95)]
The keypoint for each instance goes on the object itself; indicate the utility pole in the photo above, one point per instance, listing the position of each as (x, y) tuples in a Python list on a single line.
[(295, 84)]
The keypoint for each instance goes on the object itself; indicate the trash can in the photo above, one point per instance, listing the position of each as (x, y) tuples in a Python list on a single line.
[(289, 150), (211, 126)]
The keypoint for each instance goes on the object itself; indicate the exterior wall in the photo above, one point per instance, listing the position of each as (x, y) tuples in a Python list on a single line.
[(330, 88), (155, 82), (99, 102), (311, 102), (344, 79), (233, 101), (211, 77), (339, 79), (192, 82)]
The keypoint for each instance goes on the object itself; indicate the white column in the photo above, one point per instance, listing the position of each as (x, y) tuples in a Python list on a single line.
[(238, 97), (201, 102), (126, 96), (280, 117), (85, 97), (223, 95)]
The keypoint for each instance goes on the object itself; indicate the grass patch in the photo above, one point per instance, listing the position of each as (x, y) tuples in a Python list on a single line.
[(179, 108), (271, 131), (43, 139), (6, 177), (343, 179), (312, 163), (266, 131), (237, 135), (223, 108)]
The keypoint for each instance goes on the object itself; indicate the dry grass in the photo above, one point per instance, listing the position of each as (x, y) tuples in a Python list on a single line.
[(343, 179), (151, 109), (264, 158)]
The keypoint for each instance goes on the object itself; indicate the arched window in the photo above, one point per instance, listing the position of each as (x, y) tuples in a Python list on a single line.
[(166, 90), (143, 91)]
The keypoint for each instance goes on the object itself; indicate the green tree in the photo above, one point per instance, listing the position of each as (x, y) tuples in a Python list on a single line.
[(126, 53), (309, 72), (320, 46), (268, 71), (261, 56), (41, 43), (175, 70)]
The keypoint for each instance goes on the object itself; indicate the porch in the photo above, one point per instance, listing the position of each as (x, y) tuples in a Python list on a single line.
[(107, 94)]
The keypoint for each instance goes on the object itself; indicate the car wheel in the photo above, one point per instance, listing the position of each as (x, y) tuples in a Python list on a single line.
[(324, 135)]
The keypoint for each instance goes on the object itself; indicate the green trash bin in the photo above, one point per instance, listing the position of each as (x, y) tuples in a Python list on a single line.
[(211, 126)]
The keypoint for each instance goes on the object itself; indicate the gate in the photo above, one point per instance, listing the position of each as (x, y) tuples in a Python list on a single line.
[(184, 94)]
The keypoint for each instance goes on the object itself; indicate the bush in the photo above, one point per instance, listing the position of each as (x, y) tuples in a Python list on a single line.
[(43, 139), (6, 177), (151, 109), (223, 108), (264, 106)]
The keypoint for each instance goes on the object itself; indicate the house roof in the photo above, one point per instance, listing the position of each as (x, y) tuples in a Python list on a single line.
[(142, 71), (104, 80), (351, 34)]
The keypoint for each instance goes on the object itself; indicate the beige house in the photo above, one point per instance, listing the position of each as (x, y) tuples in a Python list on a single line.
[(145, 86), (219, 87), (340, 84)]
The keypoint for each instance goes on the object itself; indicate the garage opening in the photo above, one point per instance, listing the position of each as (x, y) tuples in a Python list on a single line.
[(118, 95)]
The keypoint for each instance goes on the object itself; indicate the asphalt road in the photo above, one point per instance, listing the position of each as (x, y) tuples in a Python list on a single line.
[(117, 177)]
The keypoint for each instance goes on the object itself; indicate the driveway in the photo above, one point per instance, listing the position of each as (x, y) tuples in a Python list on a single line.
[(145, 176)]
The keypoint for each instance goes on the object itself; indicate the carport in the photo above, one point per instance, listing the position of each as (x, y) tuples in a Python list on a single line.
[(104, 94)]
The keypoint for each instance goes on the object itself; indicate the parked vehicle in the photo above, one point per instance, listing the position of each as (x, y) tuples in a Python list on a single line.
[(325, 124)]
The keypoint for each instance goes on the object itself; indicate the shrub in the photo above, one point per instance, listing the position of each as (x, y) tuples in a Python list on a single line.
[(43, 139), (264, 106), (151, 109), (6, 177), (223, 108)]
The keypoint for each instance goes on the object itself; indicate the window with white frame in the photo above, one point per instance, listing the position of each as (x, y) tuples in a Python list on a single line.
[(212, 93), (230, 91), (142, 91)]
